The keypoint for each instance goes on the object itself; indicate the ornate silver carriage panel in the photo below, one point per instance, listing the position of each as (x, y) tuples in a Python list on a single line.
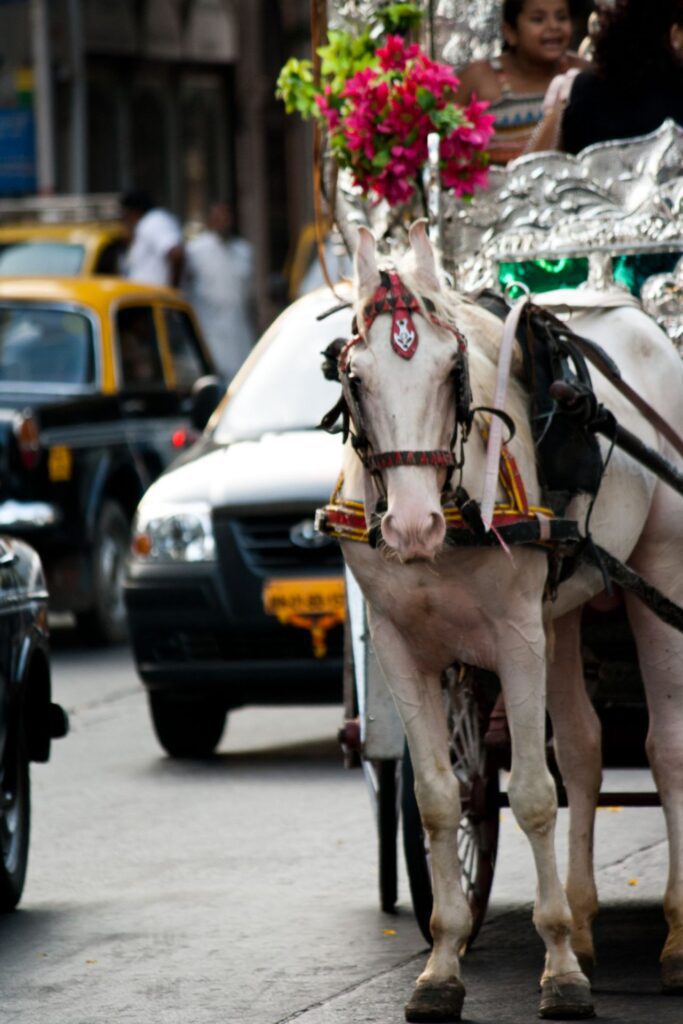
[(618, 206), (614, 201)]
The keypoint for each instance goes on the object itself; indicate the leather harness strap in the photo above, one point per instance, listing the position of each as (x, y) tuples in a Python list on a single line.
[(433, 457), (608, 368), (393, 298)]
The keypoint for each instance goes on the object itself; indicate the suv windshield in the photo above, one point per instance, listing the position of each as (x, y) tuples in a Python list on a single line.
[(284, 388), (26, 258), (45, 346)]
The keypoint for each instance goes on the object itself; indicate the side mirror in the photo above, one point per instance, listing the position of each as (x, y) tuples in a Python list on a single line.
[(206, 394)]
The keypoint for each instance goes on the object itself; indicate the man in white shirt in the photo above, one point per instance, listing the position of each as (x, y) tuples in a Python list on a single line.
[(219, 284), (155, 254)]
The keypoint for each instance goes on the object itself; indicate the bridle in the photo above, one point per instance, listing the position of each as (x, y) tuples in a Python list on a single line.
[(393, 298)]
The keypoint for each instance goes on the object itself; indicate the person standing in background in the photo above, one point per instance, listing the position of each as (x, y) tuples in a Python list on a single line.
[(155, 253), (536, 39), (219, 283)]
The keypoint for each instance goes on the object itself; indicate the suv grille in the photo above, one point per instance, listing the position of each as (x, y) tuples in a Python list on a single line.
[(266, 547)]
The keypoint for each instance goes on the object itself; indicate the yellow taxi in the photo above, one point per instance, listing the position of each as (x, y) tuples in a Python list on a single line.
[(102, 383), (92, 247)]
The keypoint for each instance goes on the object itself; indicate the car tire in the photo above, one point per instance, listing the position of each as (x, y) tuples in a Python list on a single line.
[(15, 818), (187, 727), (105, 622)]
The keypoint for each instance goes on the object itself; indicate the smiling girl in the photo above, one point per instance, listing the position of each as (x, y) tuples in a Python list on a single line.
[(536, 36)]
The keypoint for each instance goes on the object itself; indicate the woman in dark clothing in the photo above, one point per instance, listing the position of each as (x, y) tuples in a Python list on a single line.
[(635, 84), (638, 78)]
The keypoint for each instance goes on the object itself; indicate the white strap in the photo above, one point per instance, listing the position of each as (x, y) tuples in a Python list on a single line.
[(495, 441)]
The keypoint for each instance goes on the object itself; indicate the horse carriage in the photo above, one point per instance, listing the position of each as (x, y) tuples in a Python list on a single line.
[(456, 597), (608, 217)]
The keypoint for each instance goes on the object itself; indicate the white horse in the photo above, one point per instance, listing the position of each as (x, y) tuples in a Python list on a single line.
[(431, 605)]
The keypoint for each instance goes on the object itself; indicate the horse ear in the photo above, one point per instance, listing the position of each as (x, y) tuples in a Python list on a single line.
[(367, 274), (425, 263)]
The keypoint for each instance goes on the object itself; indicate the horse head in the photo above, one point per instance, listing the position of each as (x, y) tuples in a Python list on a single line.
[(398, 378)]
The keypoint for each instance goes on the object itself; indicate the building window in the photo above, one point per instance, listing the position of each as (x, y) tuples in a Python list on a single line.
[(149, 149), (104, 143)]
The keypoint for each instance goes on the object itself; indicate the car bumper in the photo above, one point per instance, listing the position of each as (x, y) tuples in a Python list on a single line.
[(28, 516), (190, 635)]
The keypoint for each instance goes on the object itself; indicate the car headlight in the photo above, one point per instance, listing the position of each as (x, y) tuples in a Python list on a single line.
[(182, 533)]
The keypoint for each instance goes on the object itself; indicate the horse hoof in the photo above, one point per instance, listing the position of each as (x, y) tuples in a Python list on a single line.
[(565, 998), (432, 1002), (672, 975), (587, 964)]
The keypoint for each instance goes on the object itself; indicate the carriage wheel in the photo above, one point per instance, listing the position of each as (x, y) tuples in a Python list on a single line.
[(384, 782), (477, 838)]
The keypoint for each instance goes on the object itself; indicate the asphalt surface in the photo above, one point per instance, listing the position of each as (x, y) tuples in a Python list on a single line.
[(244, 888), (502, 970)]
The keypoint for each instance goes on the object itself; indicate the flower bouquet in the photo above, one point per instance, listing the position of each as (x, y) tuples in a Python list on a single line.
[(379, 104)]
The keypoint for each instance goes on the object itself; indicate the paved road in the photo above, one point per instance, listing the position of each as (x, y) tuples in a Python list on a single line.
[(243, 889)]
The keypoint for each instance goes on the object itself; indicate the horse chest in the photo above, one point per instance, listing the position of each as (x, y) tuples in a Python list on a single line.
[(440, 611)]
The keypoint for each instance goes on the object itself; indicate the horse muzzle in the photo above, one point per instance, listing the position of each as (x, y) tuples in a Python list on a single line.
[(414, 538)]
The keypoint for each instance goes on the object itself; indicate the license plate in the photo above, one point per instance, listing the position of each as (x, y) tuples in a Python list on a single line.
[(285, 598)]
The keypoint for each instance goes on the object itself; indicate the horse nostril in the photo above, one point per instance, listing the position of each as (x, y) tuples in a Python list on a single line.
[(435, 530), (389, 531)]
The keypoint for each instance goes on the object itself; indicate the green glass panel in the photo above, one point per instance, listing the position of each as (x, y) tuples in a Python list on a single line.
[(543, 275), (633, 271)]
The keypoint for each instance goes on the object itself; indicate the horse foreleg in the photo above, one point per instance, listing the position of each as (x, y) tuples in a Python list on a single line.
[(565, 991), (577, 740), (439, 992)]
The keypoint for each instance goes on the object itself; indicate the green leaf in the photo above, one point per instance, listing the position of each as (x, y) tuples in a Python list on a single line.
[(399, 18), (447, 119), (425, 99), (381, 159), (295, 87), (344, 55)]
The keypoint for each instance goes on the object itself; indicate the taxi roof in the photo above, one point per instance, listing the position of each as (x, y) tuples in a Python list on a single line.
[(78, 233), (94, 291)]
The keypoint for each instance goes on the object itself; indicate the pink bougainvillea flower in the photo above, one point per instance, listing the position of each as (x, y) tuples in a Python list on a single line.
[(380, 120), (394, 54)]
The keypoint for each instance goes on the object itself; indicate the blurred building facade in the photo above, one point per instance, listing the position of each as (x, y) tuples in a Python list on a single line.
[(173, 96)]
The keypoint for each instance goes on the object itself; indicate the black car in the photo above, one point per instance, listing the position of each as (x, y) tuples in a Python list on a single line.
[(28, 718), (232, 596), (98, 394)]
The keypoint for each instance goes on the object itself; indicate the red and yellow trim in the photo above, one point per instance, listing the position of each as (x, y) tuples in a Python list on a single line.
[(345, 519)]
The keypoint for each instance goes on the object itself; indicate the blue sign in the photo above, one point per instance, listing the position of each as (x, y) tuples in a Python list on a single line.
[(17, 152)]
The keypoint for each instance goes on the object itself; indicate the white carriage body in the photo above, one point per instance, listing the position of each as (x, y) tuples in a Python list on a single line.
[(616, 199)]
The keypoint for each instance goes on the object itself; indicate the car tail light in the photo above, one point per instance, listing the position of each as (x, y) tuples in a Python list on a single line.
[(27, 433), (180, 438)]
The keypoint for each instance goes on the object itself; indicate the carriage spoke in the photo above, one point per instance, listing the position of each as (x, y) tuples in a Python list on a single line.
[(467, 853)]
